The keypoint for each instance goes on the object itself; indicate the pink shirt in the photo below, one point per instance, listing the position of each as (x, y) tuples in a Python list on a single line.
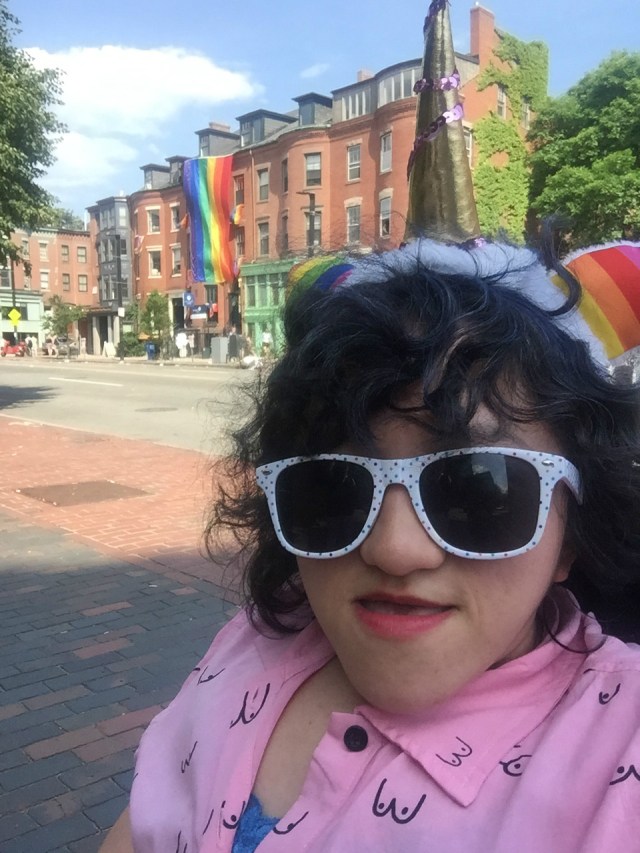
[(541, 755)]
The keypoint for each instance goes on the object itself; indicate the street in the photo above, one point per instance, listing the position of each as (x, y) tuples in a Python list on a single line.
[(176, 404)]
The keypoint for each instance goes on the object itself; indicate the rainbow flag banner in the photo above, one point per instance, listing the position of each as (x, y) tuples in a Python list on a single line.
[(207, 188)]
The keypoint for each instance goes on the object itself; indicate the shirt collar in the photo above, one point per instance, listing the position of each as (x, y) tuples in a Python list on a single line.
[(461, 741)]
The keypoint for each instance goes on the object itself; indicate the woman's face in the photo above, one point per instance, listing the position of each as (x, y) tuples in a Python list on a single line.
[(480, 613)]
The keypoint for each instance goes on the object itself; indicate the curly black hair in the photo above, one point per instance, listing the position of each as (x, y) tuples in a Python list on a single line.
[(465, 340)]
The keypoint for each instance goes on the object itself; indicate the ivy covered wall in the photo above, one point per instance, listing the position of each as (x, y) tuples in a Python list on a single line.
[(501, 175)]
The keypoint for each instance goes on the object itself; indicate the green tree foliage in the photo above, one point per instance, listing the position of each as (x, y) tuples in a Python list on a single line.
[(154, 319), (61, 315), (62, 219), (501, 176), (587, 153), (28, 130)]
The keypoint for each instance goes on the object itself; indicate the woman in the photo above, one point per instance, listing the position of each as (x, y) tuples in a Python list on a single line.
[(442, 467)]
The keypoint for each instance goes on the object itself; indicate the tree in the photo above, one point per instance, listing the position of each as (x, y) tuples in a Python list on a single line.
[(154, 319), (28, 132), (587, 153), (61, 315), (62, 219)]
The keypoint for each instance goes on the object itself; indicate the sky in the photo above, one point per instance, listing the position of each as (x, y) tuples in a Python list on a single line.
[(142, 76)]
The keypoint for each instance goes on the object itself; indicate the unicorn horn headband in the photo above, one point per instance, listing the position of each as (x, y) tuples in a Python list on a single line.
[(441, 201)]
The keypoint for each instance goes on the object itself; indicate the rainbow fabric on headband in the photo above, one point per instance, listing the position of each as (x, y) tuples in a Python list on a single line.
[(610, 305), (607, 317), (323, 272)]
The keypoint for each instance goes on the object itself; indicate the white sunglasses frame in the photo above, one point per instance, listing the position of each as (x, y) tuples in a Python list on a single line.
[(550, 467)]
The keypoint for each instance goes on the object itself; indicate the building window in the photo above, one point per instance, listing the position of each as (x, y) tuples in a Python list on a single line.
[(5, 277), (263, 184), (239, 242), (123, 216), (285, 176), (353, 224), (25, 249), (285, 234), (81, 254), (385, 216), (468, 143), (44, 279), (238, 189), (385, 152), (123, 247), (313, 170), (356, 103), (43, 251), (398, 85), (175, 217), (263, 238), (66, 281), (251, 296), (153, 221), (526, 113), (313, 227), (353, 162), (27, 282), (64, 253), (176, 260), (502, 101), (155, 263), (83, 283)]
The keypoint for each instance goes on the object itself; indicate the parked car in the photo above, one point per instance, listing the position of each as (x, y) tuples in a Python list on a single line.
[(18, 349)]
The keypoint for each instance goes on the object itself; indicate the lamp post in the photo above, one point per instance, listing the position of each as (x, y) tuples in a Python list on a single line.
[(312, 220)]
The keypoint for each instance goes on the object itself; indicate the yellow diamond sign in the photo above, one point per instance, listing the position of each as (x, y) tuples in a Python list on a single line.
[(14, 315)]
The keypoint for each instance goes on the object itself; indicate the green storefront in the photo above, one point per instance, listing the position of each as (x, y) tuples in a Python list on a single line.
[(263, 288)]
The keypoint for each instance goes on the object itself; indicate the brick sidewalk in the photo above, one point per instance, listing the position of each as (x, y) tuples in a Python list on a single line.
[(105, 607)]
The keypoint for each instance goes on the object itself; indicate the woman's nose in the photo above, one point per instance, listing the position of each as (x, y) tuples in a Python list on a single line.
[(398, 543)]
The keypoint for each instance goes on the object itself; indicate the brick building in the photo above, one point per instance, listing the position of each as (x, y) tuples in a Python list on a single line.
[(62, 264)]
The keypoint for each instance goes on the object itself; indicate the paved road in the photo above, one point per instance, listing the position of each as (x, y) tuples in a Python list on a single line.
[(179, 405)]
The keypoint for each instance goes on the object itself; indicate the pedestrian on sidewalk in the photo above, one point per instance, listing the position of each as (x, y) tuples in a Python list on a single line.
[(447, 488)]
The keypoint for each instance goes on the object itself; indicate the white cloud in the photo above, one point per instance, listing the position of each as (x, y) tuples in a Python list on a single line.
[(87, 161), (117, 99), (315, 70)]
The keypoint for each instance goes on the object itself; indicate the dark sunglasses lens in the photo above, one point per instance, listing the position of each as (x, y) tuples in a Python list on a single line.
[(323, 504), (482, 502)]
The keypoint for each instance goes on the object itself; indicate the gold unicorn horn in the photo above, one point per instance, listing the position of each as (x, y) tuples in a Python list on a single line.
[(441, 201)]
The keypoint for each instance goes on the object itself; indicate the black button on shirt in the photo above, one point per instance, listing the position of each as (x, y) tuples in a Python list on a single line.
[(356, 739)]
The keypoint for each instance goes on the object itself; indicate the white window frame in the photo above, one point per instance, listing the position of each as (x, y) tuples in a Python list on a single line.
[(79, 251), (351, 239), (151, 251), (263, 233), (262, 176), (150, 211), (313, 171), (176, 259), (502, 102), (384, 216), (354, 167), (44, 279), (44, 251), (175, 217), (386, 151), (83, 287)]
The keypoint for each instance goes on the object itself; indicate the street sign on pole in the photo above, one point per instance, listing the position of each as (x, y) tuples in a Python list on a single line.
[(15, 316)]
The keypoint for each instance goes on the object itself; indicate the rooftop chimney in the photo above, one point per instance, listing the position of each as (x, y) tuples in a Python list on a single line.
[(364, 74)]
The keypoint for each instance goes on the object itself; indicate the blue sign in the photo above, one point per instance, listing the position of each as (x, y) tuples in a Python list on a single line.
[(188, 299)]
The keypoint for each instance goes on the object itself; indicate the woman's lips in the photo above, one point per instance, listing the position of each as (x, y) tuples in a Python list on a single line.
[(398, 617)]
